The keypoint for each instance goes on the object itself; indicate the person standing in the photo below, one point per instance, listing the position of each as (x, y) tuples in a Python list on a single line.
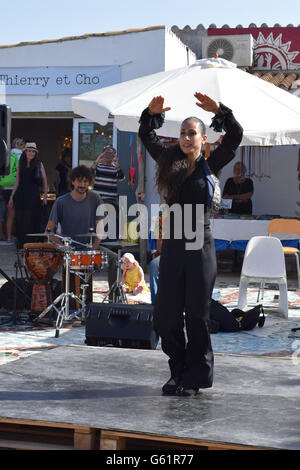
[(7, 183), (107, 173), (63, 169), (26, 194), (187, 276)]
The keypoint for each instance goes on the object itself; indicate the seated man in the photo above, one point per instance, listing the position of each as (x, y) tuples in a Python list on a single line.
[(76, 211), (240, 190)]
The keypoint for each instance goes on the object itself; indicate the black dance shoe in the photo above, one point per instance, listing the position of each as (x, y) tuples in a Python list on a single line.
[(183, 392), (170, 388)]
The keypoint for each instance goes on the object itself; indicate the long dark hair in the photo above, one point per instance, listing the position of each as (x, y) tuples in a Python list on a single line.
[(23, 161), (171, 169)]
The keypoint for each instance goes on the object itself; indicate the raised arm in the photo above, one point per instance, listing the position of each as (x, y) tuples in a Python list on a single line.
[(152, 118), (225, 152)]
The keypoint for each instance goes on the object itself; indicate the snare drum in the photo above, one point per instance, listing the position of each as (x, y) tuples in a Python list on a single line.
[(86, 259)]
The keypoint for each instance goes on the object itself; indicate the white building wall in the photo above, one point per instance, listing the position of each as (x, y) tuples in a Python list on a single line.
[(177, 54), (137, 53)]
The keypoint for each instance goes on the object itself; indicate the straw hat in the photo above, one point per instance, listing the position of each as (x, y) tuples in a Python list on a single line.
[(31, 146)]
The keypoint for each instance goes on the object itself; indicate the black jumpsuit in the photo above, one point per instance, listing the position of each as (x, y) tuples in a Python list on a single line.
[(187, 277)]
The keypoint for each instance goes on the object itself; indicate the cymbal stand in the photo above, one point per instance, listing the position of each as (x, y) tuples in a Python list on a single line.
[(63, 312), (117, 291)]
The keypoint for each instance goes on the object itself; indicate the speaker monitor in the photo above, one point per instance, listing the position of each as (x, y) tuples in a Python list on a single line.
[(5, 127), (122, 325)]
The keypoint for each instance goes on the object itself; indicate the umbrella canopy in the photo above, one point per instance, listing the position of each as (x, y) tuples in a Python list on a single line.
[(268, 114)]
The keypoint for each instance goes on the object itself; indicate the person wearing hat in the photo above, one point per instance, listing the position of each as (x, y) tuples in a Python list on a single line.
[(25, 196), (107, 172)]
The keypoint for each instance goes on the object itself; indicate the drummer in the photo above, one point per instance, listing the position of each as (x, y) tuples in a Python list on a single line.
[(76, 211)]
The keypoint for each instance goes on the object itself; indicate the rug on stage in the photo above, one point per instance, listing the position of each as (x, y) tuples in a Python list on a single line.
[(276, 338)]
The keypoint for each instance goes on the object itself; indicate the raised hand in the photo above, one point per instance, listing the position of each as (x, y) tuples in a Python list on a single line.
[(156, 105), (99, 158), (207, 103)]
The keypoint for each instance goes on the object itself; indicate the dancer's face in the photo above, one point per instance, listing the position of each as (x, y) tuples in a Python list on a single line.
[(191, 138)]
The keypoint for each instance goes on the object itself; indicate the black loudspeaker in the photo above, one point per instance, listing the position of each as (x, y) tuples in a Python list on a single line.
[(122, 325), (5, 128)]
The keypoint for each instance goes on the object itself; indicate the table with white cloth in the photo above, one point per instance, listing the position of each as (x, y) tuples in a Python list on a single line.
[(235, 233)]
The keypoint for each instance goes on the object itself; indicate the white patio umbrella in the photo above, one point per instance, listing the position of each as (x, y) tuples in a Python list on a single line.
[(268, 114)]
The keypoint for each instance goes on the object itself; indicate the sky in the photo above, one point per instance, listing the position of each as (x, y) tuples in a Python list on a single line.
[(35, 20)]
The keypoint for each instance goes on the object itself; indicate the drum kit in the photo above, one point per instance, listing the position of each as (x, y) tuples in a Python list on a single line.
[(42, 261)]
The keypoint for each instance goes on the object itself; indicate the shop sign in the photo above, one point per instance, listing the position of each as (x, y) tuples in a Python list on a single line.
[(57, 80)]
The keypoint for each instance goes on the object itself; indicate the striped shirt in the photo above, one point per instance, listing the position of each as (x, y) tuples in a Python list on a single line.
[(106, 179)]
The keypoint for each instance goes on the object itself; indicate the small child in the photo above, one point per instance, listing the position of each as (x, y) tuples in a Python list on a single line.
[(133, 275)]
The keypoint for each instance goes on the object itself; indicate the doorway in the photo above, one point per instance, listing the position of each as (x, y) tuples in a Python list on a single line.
[(50, 135)]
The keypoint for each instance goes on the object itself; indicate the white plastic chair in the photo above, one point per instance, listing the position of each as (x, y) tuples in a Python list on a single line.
[(264, 263), (291, 226)]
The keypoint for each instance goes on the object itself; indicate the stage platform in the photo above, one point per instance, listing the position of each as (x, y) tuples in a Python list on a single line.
[(82, 397)]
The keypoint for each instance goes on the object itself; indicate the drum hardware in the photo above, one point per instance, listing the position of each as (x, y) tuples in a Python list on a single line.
[(90, 234), (47, 234), (63, 299), (20, 265), (116, 290), (120, 244), (116, 293), (61, 304), (14, 316)]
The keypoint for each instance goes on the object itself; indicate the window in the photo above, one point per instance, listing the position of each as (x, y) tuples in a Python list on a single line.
[(92, 137)]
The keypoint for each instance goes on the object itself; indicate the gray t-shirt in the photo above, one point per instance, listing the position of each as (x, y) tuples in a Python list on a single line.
[(76, 217)]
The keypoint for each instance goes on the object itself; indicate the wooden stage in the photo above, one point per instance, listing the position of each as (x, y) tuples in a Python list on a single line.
[(83, 397)]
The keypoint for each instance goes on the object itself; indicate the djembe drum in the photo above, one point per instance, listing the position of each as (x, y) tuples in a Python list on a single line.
[(42, 261)]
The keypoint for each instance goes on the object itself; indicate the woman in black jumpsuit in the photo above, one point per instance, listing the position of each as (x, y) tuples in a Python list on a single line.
[(187, 276)]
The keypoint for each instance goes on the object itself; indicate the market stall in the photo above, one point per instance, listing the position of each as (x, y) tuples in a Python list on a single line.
[(234, 233)]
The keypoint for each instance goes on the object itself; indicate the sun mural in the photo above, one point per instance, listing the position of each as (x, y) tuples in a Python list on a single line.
[(272, 53)]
